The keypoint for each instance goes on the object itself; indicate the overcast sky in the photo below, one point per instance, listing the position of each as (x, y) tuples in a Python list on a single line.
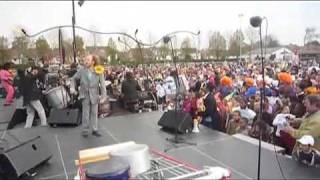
[(287, 20)]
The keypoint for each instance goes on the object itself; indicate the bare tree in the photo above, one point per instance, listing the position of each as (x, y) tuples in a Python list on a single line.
[(252, 36), (310, 35), (217, 45), (186, 48), (4, 50)]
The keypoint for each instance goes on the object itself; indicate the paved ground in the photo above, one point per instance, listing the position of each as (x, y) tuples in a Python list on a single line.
[(213, 148)]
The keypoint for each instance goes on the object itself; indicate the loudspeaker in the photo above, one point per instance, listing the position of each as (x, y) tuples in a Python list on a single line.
[(20, 116), (64, 117), (21, 152), (177, 121)]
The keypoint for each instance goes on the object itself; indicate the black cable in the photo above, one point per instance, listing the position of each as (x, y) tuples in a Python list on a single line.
[(110, 33), (279, 165)]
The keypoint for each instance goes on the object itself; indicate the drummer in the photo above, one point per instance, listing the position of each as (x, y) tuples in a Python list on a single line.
[(90, 79)]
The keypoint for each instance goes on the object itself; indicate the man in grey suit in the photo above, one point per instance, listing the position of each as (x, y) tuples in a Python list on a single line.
[(92, 91)]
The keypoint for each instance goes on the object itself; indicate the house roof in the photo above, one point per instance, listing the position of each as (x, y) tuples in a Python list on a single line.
[(310, 49), (268, 50)]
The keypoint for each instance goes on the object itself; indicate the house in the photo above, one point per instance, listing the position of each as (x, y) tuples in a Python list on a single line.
[(275, 53), (309, 52)]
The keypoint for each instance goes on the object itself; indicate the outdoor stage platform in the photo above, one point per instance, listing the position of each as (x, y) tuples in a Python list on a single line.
[(213, 148)]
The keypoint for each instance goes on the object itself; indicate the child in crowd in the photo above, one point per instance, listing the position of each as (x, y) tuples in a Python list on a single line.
[(236, 124), (161, 95), (305, 152), (199, 112)]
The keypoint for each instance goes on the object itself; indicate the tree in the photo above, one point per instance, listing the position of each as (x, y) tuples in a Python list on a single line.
[(79, 45), (4, 50), (111, 50), (234, 43), (186, 49), (42, 47), (271, 41), (314, 43), (310, 35), (252, 36), (68, 50), (20, 45), (164, 50), (217, 45)]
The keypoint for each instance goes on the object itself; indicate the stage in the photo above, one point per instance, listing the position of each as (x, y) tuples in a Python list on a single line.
[(213, 148)]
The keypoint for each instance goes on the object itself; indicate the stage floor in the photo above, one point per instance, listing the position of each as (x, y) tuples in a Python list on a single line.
[(213, 148)]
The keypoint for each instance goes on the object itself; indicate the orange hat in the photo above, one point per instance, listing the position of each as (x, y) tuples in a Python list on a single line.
[(285, 77), (226, 81), (249, 81), (311, 90)]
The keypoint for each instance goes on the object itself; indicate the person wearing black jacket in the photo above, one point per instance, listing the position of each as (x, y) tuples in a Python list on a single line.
[(31, 97), (129, 89), (211, 115)]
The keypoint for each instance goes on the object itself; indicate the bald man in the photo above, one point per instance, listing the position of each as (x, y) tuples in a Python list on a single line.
[(92, 90)]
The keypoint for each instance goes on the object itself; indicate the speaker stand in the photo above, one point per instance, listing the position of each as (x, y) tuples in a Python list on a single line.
[(176, 139)]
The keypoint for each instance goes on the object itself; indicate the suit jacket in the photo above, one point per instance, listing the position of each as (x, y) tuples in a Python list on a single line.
[(90, 88)]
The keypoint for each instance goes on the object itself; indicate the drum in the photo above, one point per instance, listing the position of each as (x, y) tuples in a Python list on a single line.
[(144, 95), (58, 97), (114, 168), (138, 157), (104, 109)]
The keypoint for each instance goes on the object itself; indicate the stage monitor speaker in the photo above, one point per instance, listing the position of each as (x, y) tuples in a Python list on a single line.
[(177, 121), (21, 152), (64, 117)]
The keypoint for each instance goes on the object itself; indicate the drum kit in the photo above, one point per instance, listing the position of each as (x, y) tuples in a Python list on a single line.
[(118, 161), (58, 95)]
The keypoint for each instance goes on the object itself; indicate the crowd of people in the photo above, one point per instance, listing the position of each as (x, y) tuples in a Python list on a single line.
[(282, 106), (227, 97)]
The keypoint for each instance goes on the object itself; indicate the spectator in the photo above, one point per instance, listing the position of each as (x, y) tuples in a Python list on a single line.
[(161, 95), (245, 112), (211, 115), (306, 153), (129, 89), (310, 125), (236, 124)]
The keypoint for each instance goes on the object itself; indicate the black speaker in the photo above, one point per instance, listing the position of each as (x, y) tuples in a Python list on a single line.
[(20, 116), (64, 117), (177, 121), (21, 152)]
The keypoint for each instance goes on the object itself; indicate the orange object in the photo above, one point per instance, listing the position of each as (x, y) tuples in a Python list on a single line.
[(226, 81), (285, 78), (311, 90), (249, 82)]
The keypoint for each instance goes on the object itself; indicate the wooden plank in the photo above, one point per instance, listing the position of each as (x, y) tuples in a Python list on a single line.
[(93, 160), (103, 151)]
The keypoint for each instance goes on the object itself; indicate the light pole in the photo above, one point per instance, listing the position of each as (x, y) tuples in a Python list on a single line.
[(240, 33), (74, 48)]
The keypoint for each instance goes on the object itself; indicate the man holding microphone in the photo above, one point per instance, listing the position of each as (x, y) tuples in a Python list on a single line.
[(92, 91)]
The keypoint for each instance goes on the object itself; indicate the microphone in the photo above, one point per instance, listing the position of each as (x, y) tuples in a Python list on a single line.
[(80, 2), (166, 39), (23, 31), (255, 21)]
